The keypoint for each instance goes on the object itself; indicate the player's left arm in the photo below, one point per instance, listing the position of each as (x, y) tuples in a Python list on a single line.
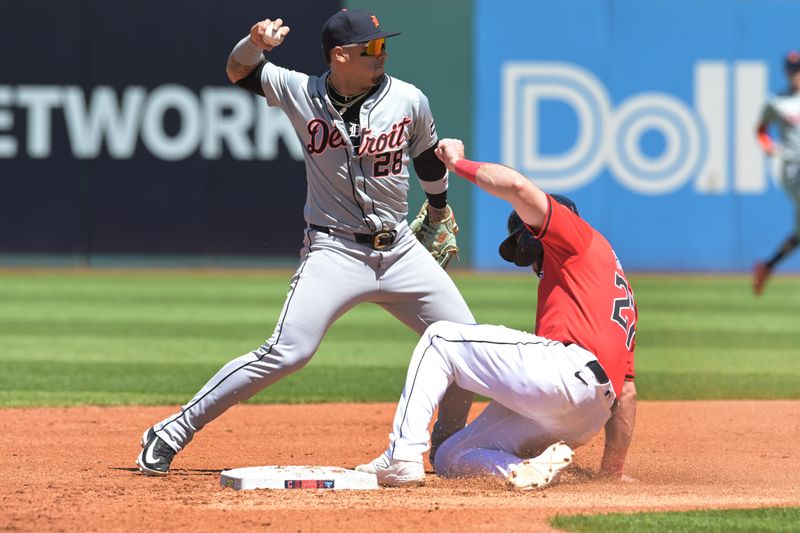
[(430, 170), (435, 225), (619, 433), (432, 176)]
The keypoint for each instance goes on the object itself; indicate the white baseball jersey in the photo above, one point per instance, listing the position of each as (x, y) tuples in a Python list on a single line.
[(360, 190)]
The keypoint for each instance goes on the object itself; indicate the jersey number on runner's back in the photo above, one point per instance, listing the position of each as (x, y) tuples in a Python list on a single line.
[(620, 305)]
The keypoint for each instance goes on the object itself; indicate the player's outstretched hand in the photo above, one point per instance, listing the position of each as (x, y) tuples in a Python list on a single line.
[(268, 33), (449, 151)]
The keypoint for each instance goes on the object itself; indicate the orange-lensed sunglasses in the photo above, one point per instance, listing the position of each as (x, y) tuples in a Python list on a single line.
[(375, 47)]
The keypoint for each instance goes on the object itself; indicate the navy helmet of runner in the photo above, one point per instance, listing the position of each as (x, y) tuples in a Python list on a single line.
[(521, 247)]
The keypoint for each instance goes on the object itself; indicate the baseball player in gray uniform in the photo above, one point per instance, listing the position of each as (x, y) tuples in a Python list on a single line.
[(783, 110), (360, 129)]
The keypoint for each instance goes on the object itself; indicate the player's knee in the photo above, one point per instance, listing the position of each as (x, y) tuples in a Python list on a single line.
[(439, 328), (447, 459), (440, 462), (285, 359)]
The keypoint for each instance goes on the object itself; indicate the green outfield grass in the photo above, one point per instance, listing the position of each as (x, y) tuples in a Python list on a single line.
[(727, 521), (113, 337)]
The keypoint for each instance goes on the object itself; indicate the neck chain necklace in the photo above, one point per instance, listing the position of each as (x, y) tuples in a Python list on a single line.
[(340, 102)]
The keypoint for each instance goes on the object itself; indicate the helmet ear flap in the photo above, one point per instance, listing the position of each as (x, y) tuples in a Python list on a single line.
[(520, 247), (529, 250)]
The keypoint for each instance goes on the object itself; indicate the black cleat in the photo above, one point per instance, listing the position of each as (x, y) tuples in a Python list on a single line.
[(156, 455)]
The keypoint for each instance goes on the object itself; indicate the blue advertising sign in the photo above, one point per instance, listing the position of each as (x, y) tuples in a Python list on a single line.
[(644, 113)]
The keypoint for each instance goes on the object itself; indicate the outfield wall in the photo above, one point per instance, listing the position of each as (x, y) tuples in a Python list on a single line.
[(120, 135), (644, 113)]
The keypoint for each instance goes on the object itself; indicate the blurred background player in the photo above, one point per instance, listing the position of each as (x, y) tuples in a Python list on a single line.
[(783, 110), (551, 391)]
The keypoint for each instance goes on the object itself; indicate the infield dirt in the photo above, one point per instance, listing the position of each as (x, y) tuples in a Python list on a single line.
[(72, 469)]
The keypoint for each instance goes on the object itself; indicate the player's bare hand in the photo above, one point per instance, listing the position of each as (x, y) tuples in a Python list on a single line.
[(268, 33), (449, 152)]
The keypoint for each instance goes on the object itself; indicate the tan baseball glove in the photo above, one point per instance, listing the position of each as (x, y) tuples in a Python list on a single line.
[(437, 235)]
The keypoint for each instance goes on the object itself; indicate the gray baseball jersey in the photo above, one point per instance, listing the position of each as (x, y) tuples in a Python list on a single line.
[(349, 191), (785, 111), (356, 190)]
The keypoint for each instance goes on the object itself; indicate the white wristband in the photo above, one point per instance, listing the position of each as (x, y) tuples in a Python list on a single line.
[(247, 53)]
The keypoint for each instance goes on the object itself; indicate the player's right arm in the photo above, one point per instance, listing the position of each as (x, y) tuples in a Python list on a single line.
[(247, 56), (619, 433), (762, 133), (528, 200)]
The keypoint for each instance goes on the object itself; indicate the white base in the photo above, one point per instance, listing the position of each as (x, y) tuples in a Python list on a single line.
[(297, 477)]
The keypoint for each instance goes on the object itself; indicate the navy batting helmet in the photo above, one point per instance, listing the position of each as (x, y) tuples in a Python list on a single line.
[(521, 247)]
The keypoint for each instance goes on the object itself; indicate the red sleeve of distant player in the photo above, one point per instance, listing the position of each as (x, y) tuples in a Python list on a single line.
[(574, 234)]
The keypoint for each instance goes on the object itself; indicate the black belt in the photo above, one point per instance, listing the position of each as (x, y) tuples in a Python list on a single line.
[(602, 378), (377, 241), (597, 370)]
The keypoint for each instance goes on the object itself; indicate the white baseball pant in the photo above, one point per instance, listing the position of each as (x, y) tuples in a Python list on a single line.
[(542, 392)]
